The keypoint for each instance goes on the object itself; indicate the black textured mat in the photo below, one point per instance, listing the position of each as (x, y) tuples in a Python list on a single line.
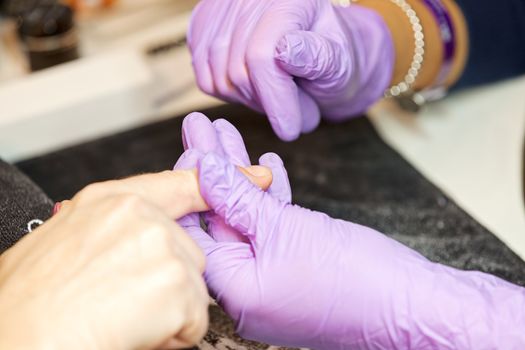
[(345, 170), (22, 206)]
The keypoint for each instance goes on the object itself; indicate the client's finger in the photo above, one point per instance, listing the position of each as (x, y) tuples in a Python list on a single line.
[(175, 192)]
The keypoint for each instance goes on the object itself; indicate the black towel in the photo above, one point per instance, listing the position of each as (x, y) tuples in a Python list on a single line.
[(22, 205)]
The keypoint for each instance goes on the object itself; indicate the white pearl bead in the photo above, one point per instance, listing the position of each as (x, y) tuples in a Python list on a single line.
[(419, 51)]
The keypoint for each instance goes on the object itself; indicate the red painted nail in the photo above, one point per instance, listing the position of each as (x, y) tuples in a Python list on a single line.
[(56, 208)]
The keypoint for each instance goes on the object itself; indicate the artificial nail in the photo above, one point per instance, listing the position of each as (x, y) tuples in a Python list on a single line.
[(258, 171)]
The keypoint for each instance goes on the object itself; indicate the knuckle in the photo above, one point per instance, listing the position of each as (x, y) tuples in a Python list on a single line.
[(159, 238), (219, 48), (206, 88), (177, 273), (129, 201), (169, 279), (238, 76), (225, 92), (204, 84), (202, 75), (222, 89)]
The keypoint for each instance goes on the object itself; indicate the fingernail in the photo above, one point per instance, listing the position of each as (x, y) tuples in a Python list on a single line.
[(56, 208), (257, 171)]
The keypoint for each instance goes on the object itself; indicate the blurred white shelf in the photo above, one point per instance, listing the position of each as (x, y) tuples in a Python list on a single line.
[(115, 86)]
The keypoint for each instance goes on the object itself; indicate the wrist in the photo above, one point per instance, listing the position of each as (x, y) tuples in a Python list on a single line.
[(434, 60), (403, 40)]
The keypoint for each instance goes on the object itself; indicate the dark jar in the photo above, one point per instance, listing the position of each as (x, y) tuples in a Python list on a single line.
[(48, 35)]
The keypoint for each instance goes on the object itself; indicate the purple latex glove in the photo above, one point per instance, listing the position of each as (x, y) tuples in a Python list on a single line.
[(305, 279), (300, 278), (292, 59), (201, 136)]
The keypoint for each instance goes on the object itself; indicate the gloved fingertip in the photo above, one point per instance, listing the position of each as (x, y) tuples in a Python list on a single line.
[(309, 55), (187, 124), (289, 48), (270, 160), (310, 112), (188, 160), (288, 132), (198, 132), (204, 77), (277, 91), (191, 117), (280, 187)]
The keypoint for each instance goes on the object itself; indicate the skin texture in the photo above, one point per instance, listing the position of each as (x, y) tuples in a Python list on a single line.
[(111, 270), (291, 59), (291, 276)]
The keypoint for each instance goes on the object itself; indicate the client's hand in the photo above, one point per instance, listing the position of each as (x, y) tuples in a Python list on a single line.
[(297, 277), (111, 270)]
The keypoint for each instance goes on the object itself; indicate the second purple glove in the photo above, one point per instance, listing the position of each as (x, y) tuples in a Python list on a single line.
[(299, 278), (291, 59)]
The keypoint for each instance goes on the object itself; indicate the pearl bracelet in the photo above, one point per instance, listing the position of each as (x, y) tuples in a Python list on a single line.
[(419, 43), (419, 51)]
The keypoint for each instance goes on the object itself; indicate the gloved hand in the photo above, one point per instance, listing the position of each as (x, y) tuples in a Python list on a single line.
[(200, 136), (291, 59), (300, 278)]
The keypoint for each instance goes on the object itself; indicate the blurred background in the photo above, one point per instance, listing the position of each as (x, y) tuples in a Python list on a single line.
[(66, 66)]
